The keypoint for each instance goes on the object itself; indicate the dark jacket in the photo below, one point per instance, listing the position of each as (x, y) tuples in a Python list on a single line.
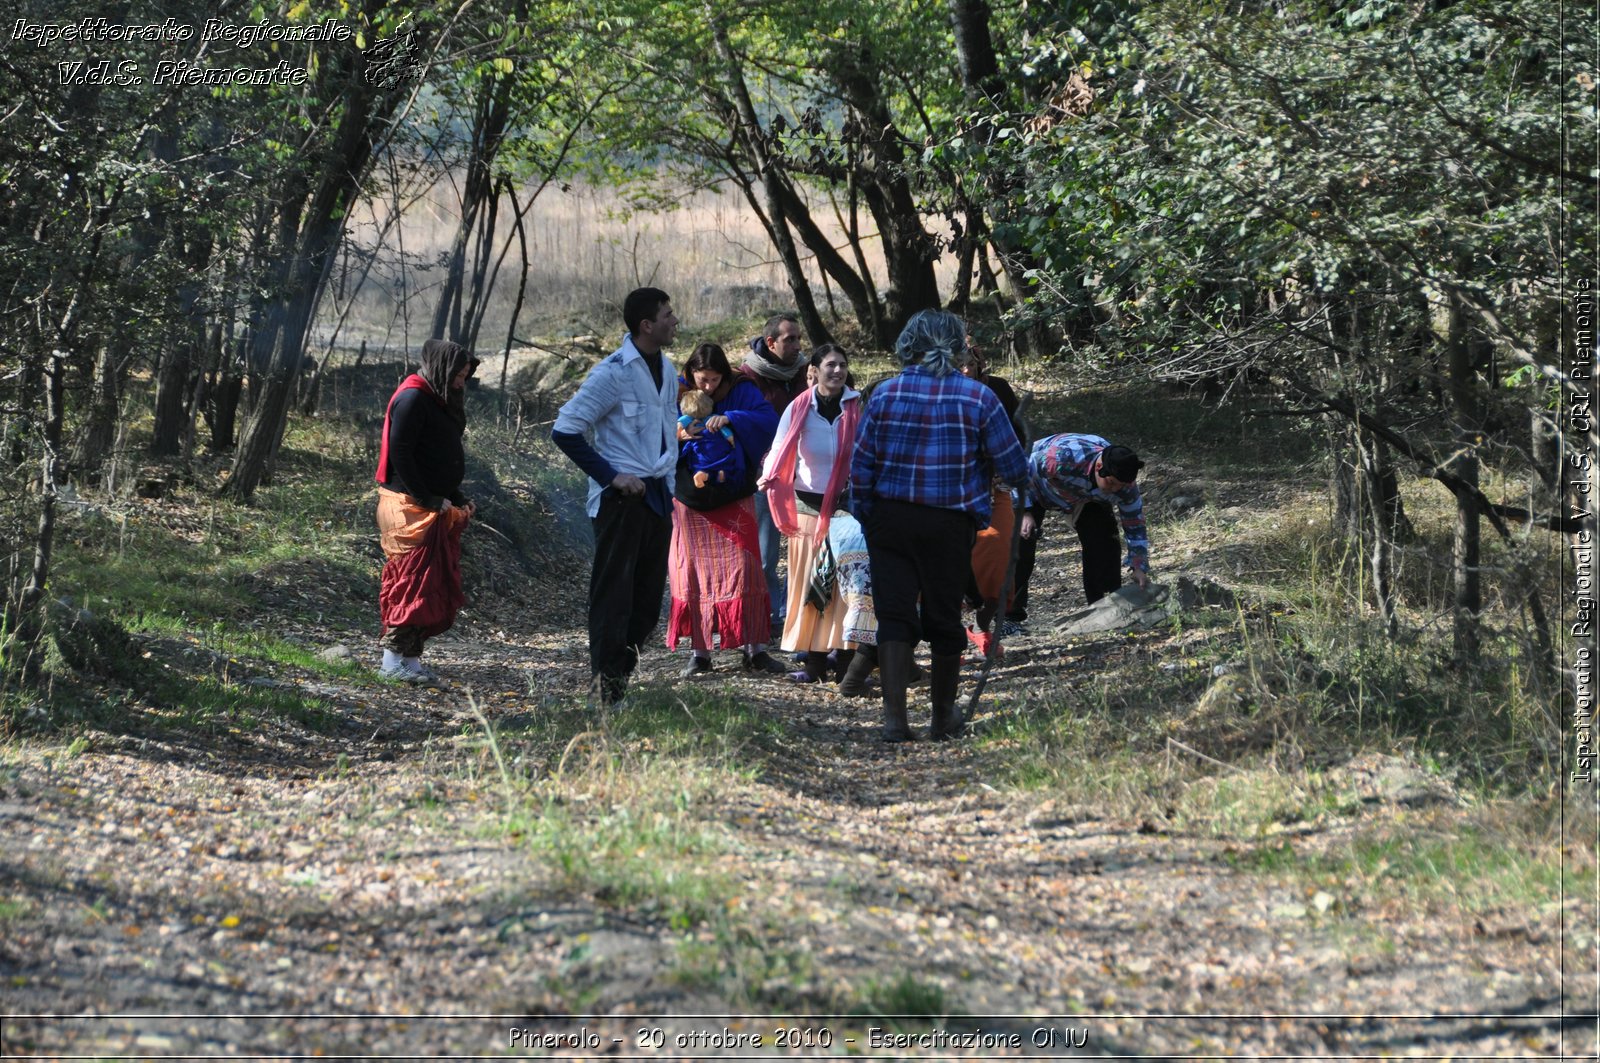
[(777, 392), (426, 458), (753, 424)]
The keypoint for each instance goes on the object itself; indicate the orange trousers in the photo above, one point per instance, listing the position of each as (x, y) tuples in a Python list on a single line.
[(993, 549)]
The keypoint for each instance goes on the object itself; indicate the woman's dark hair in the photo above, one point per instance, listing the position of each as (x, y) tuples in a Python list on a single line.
[(441, 361), (825, 350), (815, 361), (708, 356)]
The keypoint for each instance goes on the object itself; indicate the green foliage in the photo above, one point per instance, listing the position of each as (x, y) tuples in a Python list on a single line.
[(1230, 150)]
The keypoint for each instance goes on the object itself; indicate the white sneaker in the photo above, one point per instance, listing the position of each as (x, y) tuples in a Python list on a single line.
[(415, 666), (402, 674)]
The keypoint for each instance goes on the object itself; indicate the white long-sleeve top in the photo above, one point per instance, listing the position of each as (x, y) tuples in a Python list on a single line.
[(819, 443), (629, 420)]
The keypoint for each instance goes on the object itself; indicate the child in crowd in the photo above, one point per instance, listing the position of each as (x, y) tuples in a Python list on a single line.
[(712, 455)]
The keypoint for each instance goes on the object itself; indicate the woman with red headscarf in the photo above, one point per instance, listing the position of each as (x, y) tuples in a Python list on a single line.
[(421, 510)]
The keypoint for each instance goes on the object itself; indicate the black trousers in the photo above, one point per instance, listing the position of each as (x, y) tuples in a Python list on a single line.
[(1102, 550), (1027, 554), (625, 586), (919, 552)]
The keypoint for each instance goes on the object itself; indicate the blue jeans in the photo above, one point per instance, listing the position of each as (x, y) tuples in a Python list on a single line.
[(771, 550)]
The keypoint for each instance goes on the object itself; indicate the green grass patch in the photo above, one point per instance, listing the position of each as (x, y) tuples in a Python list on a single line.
[(244, 644), (747, 965), (905, 1003), (1254, 804), (1083, 746), (204, 563), (129, 569), (1476, 869), (624, 811), (12, 910), (208, 704), (650, 857)]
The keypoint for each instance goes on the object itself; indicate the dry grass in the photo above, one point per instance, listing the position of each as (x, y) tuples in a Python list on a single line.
[(586, 250), (1303, 670)]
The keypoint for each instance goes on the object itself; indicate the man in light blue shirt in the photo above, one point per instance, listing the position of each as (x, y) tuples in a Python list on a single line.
[(620, 429)]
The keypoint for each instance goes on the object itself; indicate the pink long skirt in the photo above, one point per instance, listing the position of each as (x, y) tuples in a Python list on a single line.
[(715, 571)]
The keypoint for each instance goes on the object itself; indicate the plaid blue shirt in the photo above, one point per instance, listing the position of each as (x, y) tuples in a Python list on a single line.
[(1061, 474), (935, 441)]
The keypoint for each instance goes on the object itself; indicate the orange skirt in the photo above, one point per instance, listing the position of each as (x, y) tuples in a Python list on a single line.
[(714, 567)]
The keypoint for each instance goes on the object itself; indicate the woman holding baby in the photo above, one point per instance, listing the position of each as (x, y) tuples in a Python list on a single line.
[(718, 591)]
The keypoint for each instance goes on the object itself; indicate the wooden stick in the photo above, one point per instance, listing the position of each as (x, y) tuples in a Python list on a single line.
[(1195, 752)]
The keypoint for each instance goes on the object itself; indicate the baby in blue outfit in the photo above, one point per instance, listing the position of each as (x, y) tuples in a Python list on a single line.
[(712, 455)]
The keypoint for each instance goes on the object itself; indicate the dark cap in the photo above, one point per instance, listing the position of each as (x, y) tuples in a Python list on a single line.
[(1121, 463)]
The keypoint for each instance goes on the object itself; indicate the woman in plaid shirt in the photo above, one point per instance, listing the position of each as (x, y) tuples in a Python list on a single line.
[(930, 444)]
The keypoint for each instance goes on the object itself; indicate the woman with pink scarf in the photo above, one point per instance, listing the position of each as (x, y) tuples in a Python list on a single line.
[(806, 479)]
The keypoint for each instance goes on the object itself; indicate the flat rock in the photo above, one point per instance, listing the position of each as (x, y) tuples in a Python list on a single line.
[(1127, 607)]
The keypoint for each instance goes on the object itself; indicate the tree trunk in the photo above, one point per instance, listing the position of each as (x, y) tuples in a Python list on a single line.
[(17, 428), (274, 388), (754, 138), (961, 297), (1368, 512), (204, 380), (1465, 557), (477, 302), (94, 442), (451, 318), (184, 341), (908, 250), (227, 393), (856, 287), (172, 386), (1468, 591), (310, 233), (522, 291), (25, 622), (980, 70)]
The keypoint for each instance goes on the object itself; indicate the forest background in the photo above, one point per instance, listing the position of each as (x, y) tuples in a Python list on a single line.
[(1368, 210), (1368, 224)]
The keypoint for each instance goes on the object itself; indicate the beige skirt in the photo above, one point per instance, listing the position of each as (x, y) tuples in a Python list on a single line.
[(805, 628)]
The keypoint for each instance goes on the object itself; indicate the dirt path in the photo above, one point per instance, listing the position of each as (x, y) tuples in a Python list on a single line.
[(346, 889)]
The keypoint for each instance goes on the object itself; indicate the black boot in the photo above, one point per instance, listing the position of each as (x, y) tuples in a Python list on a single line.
[(894, 666), (816, 667), (947, 721), (854, 683)]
